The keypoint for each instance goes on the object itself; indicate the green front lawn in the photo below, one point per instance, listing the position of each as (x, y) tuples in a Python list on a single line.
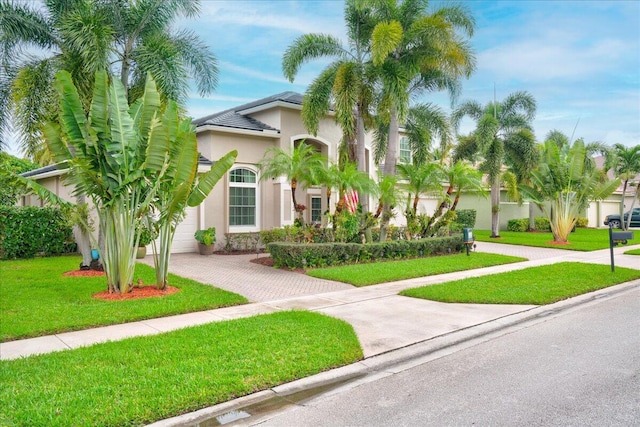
[(536, 285), (633, 252), (583, 239), (38, 300), (391, 271), (141, 380)]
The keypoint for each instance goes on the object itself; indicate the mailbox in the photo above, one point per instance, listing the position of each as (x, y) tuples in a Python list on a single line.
[(621, 236), (467, 235)]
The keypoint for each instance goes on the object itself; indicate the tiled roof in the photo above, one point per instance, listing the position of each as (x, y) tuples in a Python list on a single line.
[(234, 118)]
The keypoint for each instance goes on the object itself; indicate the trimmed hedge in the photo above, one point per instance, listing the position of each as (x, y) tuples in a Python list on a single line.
[(466, 218), (542, 223), (26, 231), (521, 224), (297, 255)]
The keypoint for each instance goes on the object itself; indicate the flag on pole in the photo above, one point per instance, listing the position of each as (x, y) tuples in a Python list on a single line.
[(351, 201)]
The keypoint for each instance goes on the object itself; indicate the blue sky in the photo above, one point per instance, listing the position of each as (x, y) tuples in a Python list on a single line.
[(579, 59)]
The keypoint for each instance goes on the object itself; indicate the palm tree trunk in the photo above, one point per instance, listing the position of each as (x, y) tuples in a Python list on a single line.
[(390, 161), (623, 223), (361, 157), (495, 209), (532, 216)]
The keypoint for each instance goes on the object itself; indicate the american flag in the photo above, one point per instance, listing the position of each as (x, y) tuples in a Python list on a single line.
[(351, 201)]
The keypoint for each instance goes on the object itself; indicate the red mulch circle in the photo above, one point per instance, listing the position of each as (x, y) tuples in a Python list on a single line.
[(136, 293), (83, 273)]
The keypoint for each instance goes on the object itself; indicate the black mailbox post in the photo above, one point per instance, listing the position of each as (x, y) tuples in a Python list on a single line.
[(615, 238)]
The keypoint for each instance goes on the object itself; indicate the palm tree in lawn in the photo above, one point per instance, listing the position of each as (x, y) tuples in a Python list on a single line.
[(303, 166), (416, 51), (128, 39), (503, 135), (625, 163), (563, 185), (347, 84)]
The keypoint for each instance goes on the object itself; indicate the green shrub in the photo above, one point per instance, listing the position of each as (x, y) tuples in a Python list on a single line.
[(26, 231), (582, 222), (521, 224), (296, 255), (466, 218), (542, 223), (242, 242)]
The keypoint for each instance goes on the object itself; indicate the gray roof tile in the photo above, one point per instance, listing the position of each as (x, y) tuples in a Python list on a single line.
[(234, 119)]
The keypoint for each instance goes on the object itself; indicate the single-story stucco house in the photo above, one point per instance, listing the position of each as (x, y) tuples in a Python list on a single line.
[(242, 202)]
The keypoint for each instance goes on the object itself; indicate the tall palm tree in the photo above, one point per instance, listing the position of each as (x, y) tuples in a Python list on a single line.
[(302, 166), (562, 186), (417, 50), (126, 38), (625, 163), (503, 135), (347, 84)]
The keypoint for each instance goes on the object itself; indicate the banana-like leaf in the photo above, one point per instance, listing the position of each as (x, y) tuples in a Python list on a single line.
[(123, 136), (184, 162), (99, 113), (42, 192), (58, 150), (72, 115), (208, 180), (157, 145), (150, 107), (178, 200)]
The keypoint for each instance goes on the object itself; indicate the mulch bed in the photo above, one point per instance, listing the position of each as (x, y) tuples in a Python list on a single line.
[(137, 292), (83, 273)]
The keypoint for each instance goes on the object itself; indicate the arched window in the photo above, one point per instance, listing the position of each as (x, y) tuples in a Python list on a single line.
[(243, 187)]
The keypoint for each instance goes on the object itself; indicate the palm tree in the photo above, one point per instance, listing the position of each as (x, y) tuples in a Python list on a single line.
[(562, 186), (416, 51), (347, 84), (303, 166), (503, 135), (625, 163), (346, 178), (125, 38)]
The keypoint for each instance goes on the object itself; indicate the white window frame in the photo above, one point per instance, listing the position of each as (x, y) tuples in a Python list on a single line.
[(244, 228), (404, 139)]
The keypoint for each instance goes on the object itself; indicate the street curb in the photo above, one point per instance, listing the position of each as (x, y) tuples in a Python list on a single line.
[(394, 361)]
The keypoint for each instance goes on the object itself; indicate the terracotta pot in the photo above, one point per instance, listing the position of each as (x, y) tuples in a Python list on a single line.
[(205, 249)]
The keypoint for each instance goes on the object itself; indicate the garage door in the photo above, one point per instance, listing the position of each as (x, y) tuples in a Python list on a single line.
[(183, 240)]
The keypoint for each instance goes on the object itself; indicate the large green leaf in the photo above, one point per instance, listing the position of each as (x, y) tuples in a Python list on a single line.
[(72, 117), (123, 137), (208, 180)]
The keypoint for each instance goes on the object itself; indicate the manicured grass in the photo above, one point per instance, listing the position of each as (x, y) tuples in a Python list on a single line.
[(390, 271), (583, 239), (140, 380), (37, 300), (633, 252), (537, 285)]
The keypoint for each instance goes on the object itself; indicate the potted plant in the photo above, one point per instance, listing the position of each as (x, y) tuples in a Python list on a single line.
[(206, 239), (145, 239)]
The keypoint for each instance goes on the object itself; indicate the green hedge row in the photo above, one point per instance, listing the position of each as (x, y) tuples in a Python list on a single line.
[(26, 231), (541, 224), (300, 255)]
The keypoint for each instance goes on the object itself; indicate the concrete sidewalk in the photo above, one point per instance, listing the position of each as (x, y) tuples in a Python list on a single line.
[(382, 320)]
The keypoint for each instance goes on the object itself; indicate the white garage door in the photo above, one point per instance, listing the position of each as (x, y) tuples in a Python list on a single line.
[(183, 240)]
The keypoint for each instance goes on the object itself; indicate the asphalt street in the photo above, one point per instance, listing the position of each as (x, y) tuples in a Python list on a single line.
[(576, 368)]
